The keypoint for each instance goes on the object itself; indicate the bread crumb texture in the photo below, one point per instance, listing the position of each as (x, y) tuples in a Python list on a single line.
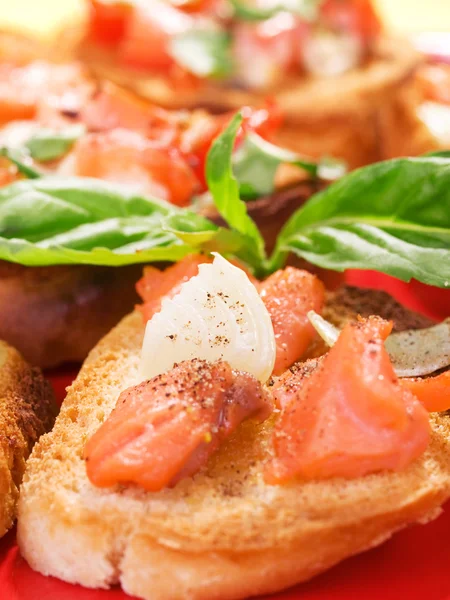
[(27, 410)]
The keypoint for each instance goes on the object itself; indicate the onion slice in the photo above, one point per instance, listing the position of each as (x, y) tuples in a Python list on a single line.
[(327, 331), (218, 314)]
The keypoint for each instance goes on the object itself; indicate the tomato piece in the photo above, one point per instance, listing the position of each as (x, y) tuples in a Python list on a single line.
[(355, 17), (149, 30), (196, 141), (108, 20), (128, 157), (350, 416), (288, 295), (165, 429)]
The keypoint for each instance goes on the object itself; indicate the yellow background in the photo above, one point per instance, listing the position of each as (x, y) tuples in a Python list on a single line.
[(45, 17)]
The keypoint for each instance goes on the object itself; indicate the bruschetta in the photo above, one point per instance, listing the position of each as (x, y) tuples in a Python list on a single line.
[(178, 476), (340, 81)]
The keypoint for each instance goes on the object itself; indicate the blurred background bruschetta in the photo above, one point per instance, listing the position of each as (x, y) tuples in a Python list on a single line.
[(339, 78)]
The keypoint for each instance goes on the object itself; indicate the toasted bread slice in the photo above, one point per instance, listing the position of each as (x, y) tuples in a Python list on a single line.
[(57, 314), (357, 128), (223, 534), (27, 410)]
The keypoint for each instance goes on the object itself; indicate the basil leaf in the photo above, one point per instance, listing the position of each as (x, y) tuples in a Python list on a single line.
[(20, 159), (205, 53), (56, 220), (48, 144), (79, 220), (392, 217), (224, 190), (306, 9), (37, 209), (91, 246), (256, 162)]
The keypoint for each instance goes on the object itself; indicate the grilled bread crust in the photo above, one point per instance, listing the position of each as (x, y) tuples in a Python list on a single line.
[(362, 116), (27, 410), (223, 534)]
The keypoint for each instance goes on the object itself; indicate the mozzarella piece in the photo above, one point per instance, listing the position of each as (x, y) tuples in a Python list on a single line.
[(218, 314)]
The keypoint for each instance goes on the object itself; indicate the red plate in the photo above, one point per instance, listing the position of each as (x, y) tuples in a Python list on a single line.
[(414, 564)]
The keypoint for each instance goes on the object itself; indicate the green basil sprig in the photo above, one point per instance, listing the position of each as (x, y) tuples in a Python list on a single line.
[(55, 220), (392, 217), (43, 145), (224, 189), (78, 220)]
